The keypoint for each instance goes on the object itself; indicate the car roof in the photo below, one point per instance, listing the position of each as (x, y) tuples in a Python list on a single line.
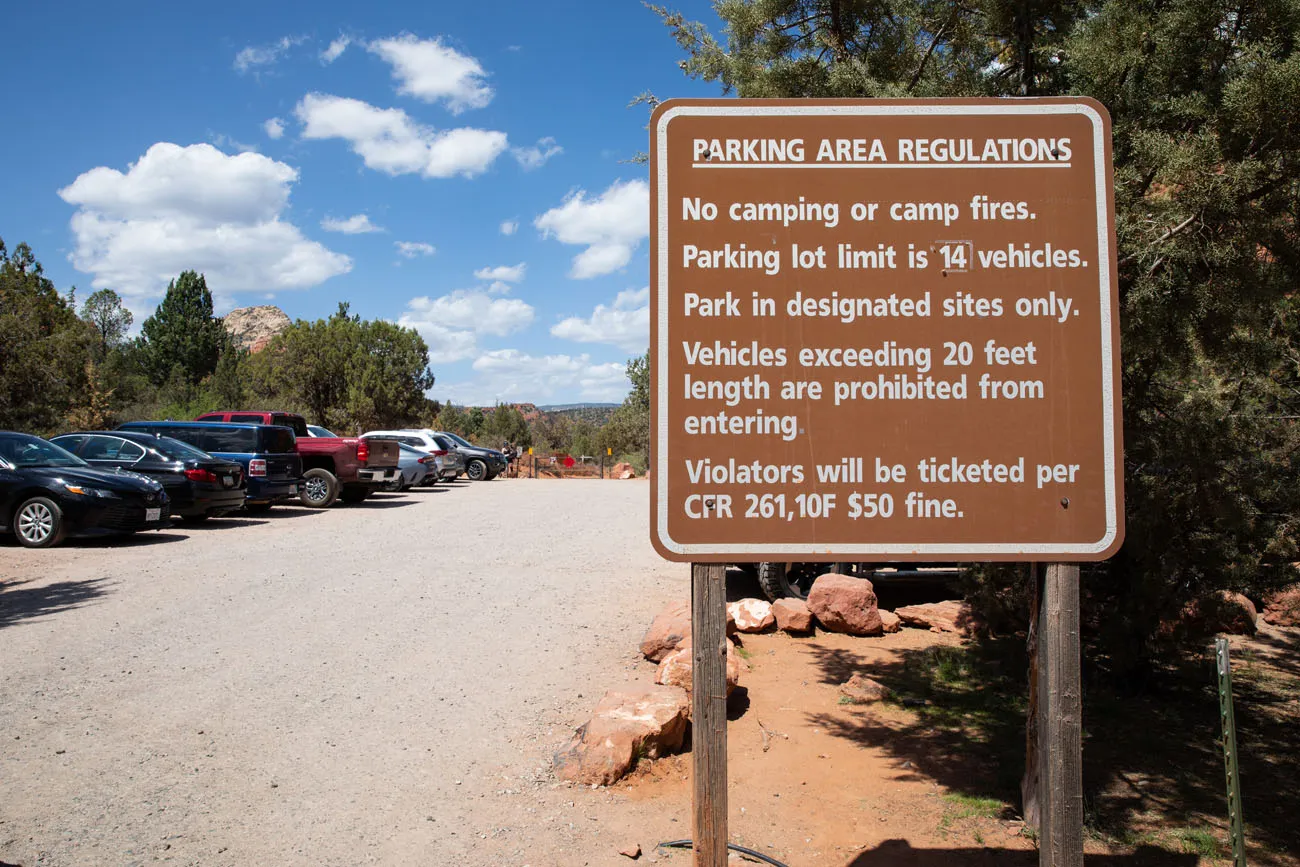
[(132, 435), (134, 425)]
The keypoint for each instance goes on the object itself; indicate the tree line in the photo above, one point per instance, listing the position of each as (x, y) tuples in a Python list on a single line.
[(64, 367)]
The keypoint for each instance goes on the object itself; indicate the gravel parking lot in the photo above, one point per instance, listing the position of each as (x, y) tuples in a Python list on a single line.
[(381, 683)]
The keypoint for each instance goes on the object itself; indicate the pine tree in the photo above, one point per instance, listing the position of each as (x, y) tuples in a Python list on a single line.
[(182, 333)]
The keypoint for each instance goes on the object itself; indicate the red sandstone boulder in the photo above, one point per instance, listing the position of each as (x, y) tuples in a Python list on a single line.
[(649, 721), (1283, 607), (844, 604), (677, 668), (750, 615), (949, 616), (891, 621), (792, 615), (666, 631)]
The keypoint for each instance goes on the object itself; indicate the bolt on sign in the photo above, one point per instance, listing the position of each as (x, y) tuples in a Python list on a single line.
[(884, 330)]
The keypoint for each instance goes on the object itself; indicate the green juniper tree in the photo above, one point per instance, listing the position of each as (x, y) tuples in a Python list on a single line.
[(1205, 100), (182, 334)]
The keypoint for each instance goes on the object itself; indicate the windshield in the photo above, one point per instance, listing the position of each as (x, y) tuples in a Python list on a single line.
[(179, 451), (460, 440), (318, 431), (22, 450)]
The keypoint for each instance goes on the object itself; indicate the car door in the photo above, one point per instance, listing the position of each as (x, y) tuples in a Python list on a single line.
[(10, 483)]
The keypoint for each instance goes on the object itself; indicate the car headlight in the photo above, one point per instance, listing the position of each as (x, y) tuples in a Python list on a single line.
[(85, 491)]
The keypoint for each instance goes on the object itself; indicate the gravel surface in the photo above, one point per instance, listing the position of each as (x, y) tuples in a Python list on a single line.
[(381, 683)]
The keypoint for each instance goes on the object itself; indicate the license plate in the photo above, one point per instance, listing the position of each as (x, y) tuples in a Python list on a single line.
[(228, 481), (152, 515), (293, 489)]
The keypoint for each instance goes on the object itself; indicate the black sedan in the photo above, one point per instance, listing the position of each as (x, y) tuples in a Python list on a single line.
[(198, 485), (47, 493)]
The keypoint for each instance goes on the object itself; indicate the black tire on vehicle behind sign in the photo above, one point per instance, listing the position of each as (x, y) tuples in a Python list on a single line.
[(779, 582), (319, 489)]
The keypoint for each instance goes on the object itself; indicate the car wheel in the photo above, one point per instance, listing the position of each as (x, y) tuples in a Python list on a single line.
[(320, 488), (477, 471), (779, 582), (38, 523), (354, 495)]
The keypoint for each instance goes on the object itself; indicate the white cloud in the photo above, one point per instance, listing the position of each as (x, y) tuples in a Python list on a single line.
[(610, 225), (335, 49), (411, 249), (255, 57), (225, 142), (503, 273), (508, 375), (388, 140), (535, 156), (625, 323), (194, 207), (451, 324), (358, 224), (274, 128), (428, 70), (509, 227)]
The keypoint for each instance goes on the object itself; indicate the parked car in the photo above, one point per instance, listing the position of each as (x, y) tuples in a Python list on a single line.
[(268, 454), (416, 464), (198, 485), (334, 467), (481, 465), (450, 464), (47, 493)]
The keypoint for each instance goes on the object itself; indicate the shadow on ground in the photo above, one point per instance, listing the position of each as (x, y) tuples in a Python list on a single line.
[(899, 853), (27, 600), (1153, 764)]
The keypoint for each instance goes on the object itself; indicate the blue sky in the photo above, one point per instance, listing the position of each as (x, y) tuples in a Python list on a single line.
[(455, 167)]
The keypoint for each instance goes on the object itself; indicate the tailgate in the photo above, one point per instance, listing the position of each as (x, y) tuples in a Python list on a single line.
[(283, 467), (383, 453)]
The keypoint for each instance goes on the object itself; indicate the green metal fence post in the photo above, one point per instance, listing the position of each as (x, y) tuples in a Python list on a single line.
[(1224, 666)]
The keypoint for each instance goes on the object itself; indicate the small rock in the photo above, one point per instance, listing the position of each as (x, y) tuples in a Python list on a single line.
[(861, 689), (751, 615), (844, 604), (792, 615), (667, 630), (648, 721), (891, 621), (949, 616), (633, 851)]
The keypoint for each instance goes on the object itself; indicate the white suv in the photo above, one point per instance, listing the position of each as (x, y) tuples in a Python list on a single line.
[(425, 441)]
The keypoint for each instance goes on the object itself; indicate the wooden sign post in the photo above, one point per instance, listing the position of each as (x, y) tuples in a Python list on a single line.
[(884, 331)]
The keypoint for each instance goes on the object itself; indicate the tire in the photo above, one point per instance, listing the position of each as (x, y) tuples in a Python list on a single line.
[(320, 488), (477, 471), (354, 495), (779, 582), (257, 508), (38, 523)]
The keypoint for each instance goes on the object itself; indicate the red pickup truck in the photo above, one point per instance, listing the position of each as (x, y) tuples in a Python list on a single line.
[(342, 468)]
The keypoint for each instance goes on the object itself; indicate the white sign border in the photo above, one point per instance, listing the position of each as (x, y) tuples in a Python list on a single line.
[(794, 549)]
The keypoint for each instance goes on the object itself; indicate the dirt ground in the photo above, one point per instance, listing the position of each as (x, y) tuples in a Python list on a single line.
[(386, 684)]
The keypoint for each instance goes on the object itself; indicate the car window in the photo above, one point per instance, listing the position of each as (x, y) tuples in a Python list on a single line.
[(102, 448), (293, 422), (178, 451), (276, 440), (212, 416), (317, 431), (460, 440), (255, 418), (24, 450), (71, 442), (444, 443), (413, 441), (214, 438)]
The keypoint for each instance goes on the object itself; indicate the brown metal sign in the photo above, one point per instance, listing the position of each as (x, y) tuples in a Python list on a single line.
[(884, 330)]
